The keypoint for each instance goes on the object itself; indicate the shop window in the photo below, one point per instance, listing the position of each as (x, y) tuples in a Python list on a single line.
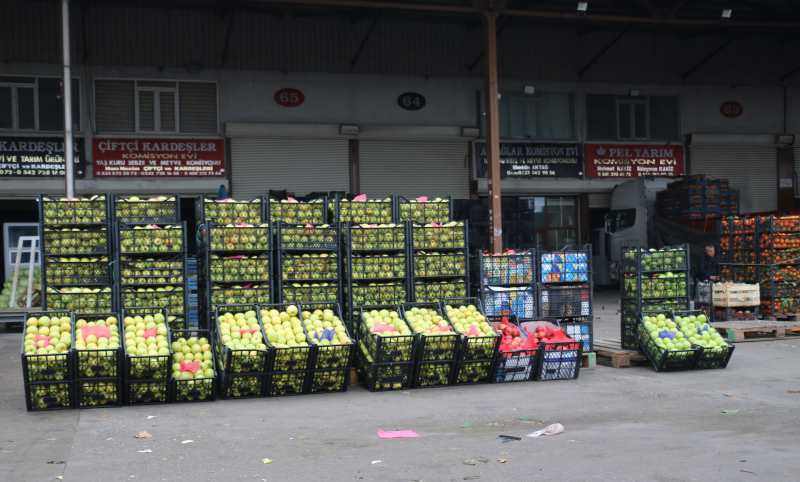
[(540, 116), (31, 104), (610, 117), (632, 119), (156, 106)]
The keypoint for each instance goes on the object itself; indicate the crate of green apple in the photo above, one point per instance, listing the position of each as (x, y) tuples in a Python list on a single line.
[(170, 297), (21, 294), (386, 336), (436, 265), (150, 271), (432, 291), (377, 237), (479, 339), (309, 266), (664, 285), (384, 375), (240, 294), (97, 345), (239, 268), (292, 211), (378, 294), (70, 241), (450, 235), (193, 369), (361, 210), (436, 338), (151, 238), (291, 360), (77, 270), (147, 356), (378, 266), (328, 333), (425, 210), (80, 299), (665, 345), (654, 260), (84, 210), (239, 237), (310, 292), (240, 343), (308, 236), (47, 347), (231, 211), (716, 352), (138, 210)]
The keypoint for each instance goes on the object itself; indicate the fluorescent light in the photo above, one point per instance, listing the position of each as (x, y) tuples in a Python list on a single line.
[(583, 7), (727, 13), (529, 89), (634, 92)]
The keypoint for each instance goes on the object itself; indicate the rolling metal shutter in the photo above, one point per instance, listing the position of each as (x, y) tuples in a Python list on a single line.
[(198, 107), (750, 169), (113, 103), (414, 168), (301, 166)]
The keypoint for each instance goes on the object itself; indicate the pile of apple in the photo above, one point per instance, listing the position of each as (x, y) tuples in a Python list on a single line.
[(87, 210), (423, 210), (79, 299), (240, 294), (192, 366), (513, 340), (48, 336), (68, 241), (397, 339), (700, 333), (374, 294), (292, 211), (664, 285), (170, 297), (239, 268), (665, 333), (136, 271), (240, 237), (147, 346), (152, 238), (311, 293), (436, 264), (133, 209), (241, 333), (440, 338), (371, 237), (97, 343), (310, 266), (432, 291), (22, 292), (64, 271), (439, 236), (663, 260), (285, 332), (326, 330), (379, 266), (365, 211), (230, 211), (321, 236), (553, 337), (470, 322)]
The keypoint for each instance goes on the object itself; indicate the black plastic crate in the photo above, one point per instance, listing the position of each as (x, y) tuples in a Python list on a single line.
[(149, 368), (473, 347), (151, 239), (98, 392), (240, 268), (49, 395), (558, 361), (433, 347), (233, 361), (670, 258), (87, 300), (134, 271), (82, 271), (291, 382), (250, 238), (285, 358), (439, 265), (386, 375), (476, 371), (565, 301), (514, 365), (303, 210), (308, 267), (502, 301), (379, 294), (709, 358), (310, 292), (369, 267), (240, 294), (145, 392), (94, 363), (507, 269), (329, 380), (75, 241), (91, 210), (195, 387), (231, 211), (172, 297), (241, 385), (329, 355), (46, 367), (452, 235), (433, 373), (308, 237), (146, 210), (568, 266), (667, 360), (425, 210), (384, 238), (382, 349), (368, 211), (432, 291)]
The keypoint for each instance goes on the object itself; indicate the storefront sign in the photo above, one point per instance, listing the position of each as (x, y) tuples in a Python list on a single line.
[(411, 101), (531, 159), (289, 97), (38, 157), (731, 109), (633, 160), (158, 157)]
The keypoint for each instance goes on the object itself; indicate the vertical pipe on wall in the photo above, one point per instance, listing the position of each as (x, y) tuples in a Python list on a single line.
[(493, 133), (69, 165)]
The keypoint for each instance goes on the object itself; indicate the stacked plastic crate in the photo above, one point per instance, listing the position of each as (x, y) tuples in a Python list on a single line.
[(148, 355), (308, 260), (98, 360), (508, 284), (437, 344), (479, 340), (76, 252), (47, 360), (440, 261), (241, 350)]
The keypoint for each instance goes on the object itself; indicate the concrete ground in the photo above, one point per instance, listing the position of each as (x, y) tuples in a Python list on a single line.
[(621, 424)]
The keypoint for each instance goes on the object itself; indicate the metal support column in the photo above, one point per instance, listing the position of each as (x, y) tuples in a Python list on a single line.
[(493, 134), (69, 165)]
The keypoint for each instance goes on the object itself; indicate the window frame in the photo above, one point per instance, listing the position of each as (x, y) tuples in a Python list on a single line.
[(15, 86), (537, 100), (632, 102), (156, 91)]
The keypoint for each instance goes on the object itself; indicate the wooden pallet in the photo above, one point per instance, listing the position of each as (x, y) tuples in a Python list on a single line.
[(787, 317), (588, 360), (793, 330), (740, 331), (610, 353)]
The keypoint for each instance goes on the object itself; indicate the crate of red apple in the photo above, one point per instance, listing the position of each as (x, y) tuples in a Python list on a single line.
[(534, 350)]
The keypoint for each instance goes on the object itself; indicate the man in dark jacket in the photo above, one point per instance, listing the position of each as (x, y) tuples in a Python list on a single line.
[(709, 268)]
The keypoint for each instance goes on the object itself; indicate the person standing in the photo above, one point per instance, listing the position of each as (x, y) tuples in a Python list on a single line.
[(709, 268)]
